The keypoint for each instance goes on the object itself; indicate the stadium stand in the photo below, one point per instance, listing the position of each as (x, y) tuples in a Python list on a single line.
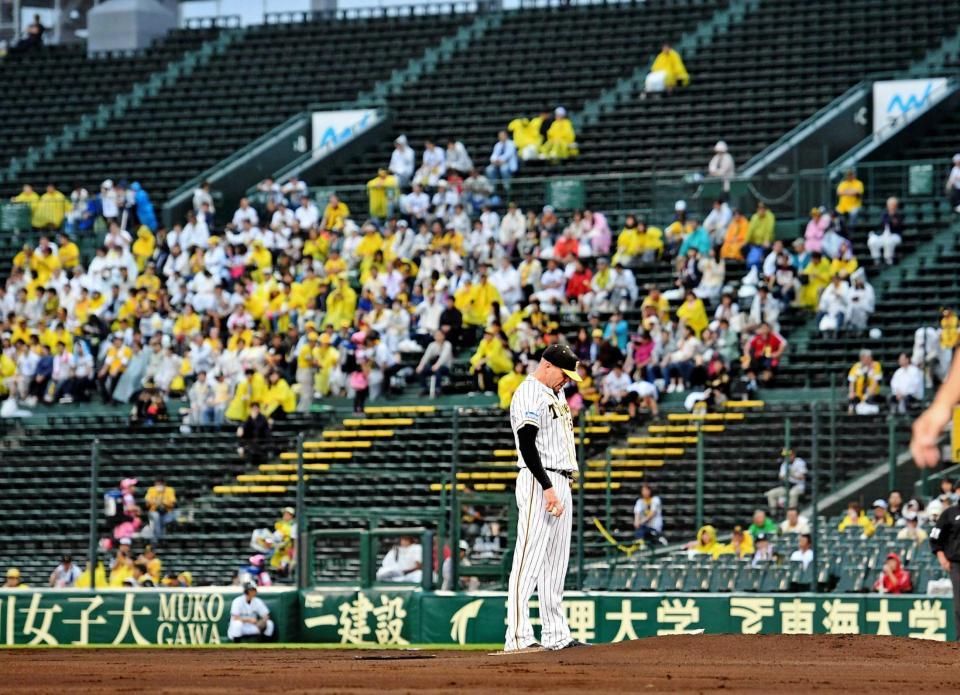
[(294, 62), (53, 87), (284, 286)]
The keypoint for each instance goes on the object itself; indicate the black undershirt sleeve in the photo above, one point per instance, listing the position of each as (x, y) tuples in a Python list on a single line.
[(527, 436)]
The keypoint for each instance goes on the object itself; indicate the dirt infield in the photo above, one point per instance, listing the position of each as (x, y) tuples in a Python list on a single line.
[(672, 664)]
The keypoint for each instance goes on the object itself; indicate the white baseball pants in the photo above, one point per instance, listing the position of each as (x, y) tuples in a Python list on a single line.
[(539, 562)]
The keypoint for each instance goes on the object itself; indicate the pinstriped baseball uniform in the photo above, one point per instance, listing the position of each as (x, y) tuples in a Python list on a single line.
[(543, 541)]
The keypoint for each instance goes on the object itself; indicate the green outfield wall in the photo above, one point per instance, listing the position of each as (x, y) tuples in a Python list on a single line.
[(351, 616)]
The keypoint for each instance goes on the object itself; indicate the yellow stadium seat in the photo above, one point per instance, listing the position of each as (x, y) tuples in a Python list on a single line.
[(679, 417), (743, 404), (661, 440), (338, 445), (608, 417), (674, 429), (378, 422), (398, 409), (665, 451), (317, 455), (356, 434)]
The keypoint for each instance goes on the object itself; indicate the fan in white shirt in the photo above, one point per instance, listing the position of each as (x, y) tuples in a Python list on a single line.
[(282, 217), (245, 213), (906, 385), (433, 165), (507, 281), (416, 203), (308, 214), (195, 232)]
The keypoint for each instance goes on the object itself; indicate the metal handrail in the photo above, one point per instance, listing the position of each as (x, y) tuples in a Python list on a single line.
[(221, 21), (412, 10)]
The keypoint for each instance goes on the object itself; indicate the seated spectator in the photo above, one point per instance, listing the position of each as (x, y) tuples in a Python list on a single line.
[(886, 242), (692, 314), (161, 501), (804, 552), (509, 383), (735, 237), (911, 530), (717, 221), (648, 517), (433, 165), (740, 545), (65, 575), (815, 230), (457, 158), (855, 517), (763, 552), (698, 239), (503, 160), (250, 618), (761, 357), (491, 360), (637, 243), (761, 523), (403, 562), (614, 388), (435, 364), (561, 140), (280, 399), (881, 517), (335, 214), (865, 378), (792, 473), (813, 279), (721, 165), (760, 235), (946, 498), (679, 363), (850, 198), (833, 306), (705, 543), (861, 302), (13, 580), (528, 134), (906, 386), (795, 522), (402, 161), (893, 578), (667, 71)]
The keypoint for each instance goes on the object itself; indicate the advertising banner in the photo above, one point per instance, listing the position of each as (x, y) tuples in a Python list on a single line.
[(333, 129), (378, 617), (900, 101), (145, 617)]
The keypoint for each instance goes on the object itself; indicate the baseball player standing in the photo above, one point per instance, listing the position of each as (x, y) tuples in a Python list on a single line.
[(543, 430)]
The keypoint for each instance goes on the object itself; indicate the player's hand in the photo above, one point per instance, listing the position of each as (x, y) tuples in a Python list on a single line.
[(944, 562), (926, 431), (551, 502)]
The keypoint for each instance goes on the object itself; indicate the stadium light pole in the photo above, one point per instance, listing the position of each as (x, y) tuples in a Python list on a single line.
[(92, 538), (814, 490), (302, 549), (455, 502)]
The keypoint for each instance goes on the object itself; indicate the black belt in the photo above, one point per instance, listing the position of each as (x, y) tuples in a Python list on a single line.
[(566, 474)]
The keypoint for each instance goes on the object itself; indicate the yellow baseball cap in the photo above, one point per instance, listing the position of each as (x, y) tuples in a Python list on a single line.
[(13, 573)]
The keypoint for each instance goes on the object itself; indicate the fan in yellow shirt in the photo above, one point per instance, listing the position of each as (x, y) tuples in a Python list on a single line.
[(561, 138), (509, 383), (334, 265), (818, 274), (849, 194), (491, 360), (382, 190), (187, 324), (370, 242), (335, 214), (316, 246), (28, 196), (693, 313), (144, 246), (948, 329), (669, 62), (52, 207), (251, 390), (68, 253), (341, 304), (279, 398)]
